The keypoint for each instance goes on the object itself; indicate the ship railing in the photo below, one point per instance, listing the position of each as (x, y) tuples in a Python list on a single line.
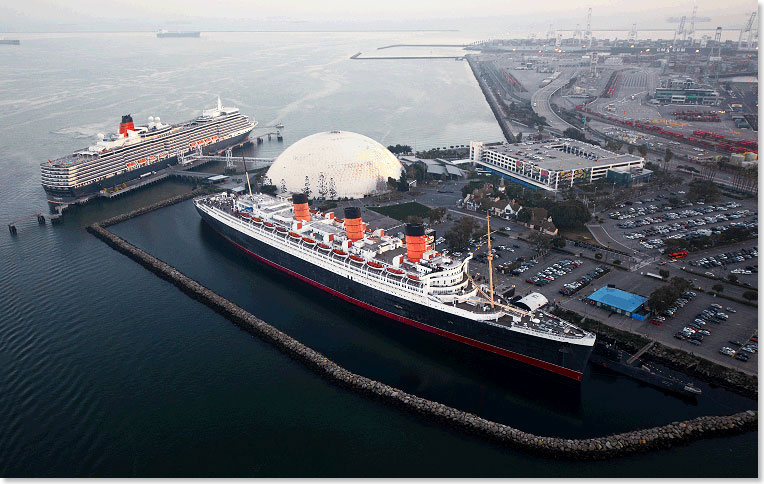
[(382, 277)]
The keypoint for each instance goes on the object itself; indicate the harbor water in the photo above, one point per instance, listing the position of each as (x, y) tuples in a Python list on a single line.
[(111, 371)]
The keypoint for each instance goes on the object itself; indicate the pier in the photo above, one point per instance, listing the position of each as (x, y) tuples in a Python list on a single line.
[(40, 220), (597, 448)]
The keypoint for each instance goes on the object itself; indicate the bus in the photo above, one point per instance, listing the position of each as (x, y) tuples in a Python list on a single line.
[(678, 254)]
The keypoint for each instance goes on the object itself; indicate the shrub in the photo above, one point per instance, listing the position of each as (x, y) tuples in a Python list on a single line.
[(717, 287), (598, 256), (664, 273), (751, 295)]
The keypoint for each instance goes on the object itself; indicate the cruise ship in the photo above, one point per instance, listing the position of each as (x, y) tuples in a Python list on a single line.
[(399, 277), (137, 150)]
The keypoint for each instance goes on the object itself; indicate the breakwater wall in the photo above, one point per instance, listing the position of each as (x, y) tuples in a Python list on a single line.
[(578, 449), (492, 102), (150, 208), (675, 359)]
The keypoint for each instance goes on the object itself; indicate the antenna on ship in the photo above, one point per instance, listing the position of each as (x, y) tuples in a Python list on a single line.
[(220, 105), (248, 185), (490, 258)]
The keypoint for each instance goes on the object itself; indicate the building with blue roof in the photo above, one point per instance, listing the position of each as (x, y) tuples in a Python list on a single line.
[(620, 302)]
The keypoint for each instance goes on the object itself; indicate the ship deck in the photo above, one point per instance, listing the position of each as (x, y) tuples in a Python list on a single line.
[(538, 321)]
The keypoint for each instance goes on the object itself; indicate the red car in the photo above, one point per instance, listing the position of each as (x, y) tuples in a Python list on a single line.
[(656, 322)]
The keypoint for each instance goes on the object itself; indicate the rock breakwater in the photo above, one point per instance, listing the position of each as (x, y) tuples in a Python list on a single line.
[(606, 447)]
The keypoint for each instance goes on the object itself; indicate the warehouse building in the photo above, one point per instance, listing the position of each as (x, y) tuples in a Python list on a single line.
[(552, 164), (618, 301)]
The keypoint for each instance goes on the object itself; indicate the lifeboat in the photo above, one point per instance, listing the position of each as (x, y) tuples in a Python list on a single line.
[(295, 235), (323, 246), (339, 220), (268, 225), (282, 230), (162, 156), (412, 277), (309, 241), (215, 137), (257, 220), (355, 258), (131, 164), (395, 271), (141, 161), (313, 211), (152, 158), (340, 253), (374, 265), (191, 145), (245, 215)]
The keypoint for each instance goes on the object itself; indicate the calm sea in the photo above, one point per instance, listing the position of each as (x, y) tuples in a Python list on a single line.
[(109, 371)]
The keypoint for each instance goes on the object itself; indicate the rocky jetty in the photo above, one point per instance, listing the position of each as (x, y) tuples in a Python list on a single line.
[(607, 447)]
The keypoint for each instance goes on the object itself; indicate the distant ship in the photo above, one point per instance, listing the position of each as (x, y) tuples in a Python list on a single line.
[(5, 41), (188, 33), (400, 278), (137, 150)]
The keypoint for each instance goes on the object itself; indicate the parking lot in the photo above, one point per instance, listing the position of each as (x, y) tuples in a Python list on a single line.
[(741, 325), (557, 274)]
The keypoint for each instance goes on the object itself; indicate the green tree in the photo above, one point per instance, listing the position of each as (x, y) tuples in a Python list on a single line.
[(630, 149), (717, 287), (617, 262), (436, 215), (642, 150), (751, 295), (663, 273), (458, 236), (574, 133), (524, 216), (541, 241), (269, 189), (667, 156), (598, 256), (403, 185), (732, 278), (558, 242), (519, 136), (703, 190)]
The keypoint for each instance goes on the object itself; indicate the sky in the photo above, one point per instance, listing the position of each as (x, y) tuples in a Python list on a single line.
[(108, 15)]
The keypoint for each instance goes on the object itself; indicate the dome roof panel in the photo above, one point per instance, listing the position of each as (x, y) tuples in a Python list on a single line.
[(355, 165)]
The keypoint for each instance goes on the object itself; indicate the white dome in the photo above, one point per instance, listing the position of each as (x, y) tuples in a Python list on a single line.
[(353, 164)]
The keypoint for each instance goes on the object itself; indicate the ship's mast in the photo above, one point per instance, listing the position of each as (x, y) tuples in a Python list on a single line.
[(248, 185), (490, 258)]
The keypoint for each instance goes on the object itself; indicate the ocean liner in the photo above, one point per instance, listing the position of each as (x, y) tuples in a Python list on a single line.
[(136, 150), (401, 278)]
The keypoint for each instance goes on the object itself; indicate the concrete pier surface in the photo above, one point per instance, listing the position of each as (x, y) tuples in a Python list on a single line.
[(606, 447)]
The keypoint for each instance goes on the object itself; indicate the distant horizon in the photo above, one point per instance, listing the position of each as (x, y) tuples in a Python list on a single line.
[(486, 16)]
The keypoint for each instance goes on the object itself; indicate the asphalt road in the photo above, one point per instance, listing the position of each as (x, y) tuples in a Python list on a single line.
[(540, 100)]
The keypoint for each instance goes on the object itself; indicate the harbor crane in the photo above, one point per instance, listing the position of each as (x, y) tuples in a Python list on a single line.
[(588, 33), (748, 28), (691, 32), (680, 30)]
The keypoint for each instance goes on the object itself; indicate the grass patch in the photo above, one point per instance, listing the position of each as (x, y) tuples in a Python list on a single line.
[(402, 211), (581, 235)]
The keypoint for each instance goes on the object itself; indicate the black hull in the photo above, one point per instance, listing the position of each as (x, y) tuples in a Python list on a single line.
[(565, 359), (617, 362), (72, 194)]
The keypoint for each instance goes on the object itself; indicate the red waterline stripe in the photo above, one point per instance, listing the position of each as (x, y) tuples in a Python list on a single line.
[(456, 337)]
